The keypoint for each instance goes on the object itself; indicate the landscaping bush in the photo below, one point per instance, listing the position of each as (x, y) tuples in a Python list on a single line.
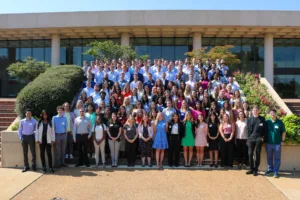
[(257, 93), (28, 69), (54, 87), (292, 127)]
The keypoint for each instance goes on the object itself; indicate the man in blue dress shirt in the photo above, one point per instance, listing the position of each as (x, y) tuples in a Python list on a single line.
[(26, 134), (60, 125)]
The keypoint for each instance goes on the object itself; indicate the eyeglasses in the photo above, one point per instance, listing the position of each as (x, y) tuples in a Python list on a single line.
[(81, 111)]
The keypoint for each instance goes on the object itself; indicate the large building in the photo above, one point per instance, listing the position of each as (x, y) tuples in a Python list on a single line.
[(267, 42)]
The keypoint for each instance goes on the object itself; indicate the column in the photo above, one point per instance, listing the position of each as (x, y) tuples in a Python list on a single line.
[(197, 40), (125, 39), (269, 58), (55, 50)]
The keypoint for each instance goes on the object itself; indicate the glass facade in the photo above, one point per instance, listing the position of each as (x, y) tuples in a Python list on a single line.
[(167, 48), (287, 67), (249, 50), (11, 51), (287, 86)]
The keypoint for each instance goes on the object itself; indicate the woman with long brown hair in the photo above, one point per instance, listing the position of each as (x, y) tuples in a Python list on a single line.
[(227, 131), (145, 131)]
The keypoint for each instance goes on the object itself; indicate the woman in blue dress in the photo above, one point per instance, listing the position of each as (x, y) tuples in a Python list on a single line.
[(183, 110), (160, 141)]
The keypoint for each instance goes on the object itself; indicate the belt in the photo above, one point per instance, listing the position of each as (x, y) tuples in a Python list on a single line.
[(81, 133), (60, 133), (28, 134)]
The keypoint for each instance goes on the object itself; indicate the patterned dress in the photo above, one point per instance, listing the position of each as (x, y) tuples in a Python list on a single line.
[(145, 147)]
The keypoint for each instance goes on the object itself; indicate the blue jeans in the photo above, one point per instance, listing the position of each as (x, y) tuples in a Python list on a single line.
[(274, 157)]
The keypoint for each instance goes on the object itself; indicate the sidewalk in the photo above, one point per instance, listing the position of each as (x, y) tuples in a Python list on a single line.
[(14, 181), (288, 184)]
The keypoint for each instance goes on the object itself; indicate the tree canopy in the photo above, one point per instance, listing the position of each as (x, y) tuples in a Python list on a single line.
[(217, 52), (110, 50), (28, 69)]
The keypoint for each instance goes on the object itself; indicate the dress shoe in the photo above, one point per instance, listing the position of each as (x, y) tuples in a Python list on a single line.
[(44, 171), (255, 173), (249, 172), (51, 170), (25, 169), (34, 168)]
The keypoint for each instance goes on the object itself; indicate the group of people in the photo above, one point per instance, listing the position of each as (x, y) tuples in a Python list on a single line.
[(137, 107)]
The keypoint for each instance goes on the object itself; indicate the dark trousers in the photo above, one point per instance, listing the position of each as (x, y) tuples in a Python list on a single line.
[(174, 149), (29, 140), (254, 145), (242, 151), (45, 146), (69, 147), (82, 145), (131, 152), (226, 149)]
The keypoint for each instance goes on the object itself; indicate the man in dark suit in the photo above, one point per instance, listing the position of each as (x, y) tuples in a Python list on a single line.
[(257, 134), (164, 80), (140, 76)]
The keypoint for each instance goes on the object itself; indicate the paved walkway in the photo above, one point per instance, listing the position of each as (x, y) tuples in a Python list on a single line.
[(289, 184), (83, 183), (138, 183), (12, 181)]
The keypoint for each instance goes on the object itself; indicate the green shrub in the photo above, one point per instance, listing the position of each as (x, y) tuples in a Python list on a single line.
[(28, 69), (54, 87), (256, 93), (15, 127), (292, 127)]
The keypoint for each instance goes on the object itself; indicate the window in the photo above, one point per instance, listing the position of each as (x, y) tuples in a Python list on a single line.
[(287, 53)]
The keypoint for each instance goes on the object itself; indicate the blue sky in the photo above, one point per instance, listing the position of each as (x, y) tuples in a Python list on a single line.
[(29, 6)]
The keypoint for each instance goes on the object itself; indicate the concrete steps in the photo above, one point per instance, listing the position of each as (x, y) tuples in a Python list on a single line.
[(294, 105), (7, 115)]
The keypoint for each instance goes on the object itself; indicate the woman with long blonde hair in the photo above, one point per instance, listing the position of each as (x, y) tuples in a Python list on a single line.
[(188, 92), (127, 105), (160, 142), (130, 134), (188, 140)]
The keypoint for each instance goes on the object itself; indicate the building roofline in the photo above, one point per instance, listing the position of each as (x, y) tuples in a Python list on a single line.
[(166, 10)]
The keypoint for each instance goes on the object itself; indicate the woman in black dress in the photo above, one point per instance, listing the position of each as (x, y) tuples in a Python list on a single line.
[(213, 138), (145, 130)]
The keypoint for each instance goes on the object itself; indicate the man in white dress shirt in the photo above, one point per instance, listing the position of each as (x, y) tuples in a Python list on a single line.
[(191, 81)]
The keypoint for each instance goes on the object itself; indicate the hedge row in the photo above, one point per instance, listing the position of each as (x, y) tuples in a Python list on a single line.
[(54, 87)]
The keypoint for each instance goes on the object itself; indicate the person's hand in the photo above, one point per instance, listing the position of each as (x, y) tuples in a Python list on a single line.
[(89, 137), (38, 142), (262, 139), (282, 143), (52, 142), (74, 141)]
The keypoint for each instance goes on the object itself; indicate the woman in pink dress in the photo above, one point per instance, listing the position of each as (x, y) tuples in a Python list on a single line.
[(197, 111), (201, 138)]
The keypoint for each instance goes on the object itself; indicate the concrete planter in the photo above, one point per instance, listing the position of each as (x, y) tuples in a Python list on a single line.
[(290, 158), (12, 153)]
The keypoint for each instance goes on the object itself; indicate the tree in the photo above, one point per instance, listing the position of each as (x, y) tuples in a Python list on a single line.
[(217, 52), (109, 50), (28, 69)]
